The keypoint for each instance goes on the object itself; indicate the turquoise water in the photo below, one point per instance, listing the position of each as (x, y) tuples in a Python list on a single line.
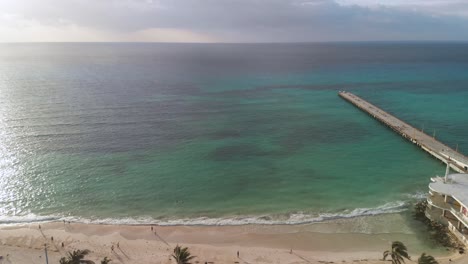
[(220, 134)]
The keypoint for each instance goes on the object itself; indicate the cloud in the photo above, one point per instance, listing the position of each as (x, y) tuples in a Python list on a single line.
[(15, 28), (429, 7), (232, 20), (168, 35)]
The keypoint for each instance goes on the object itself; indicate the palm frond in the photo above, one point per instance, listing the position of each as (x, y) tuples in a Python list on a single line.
[(182, 255), (385, 254), (398, 253), (427, 259), (106, 260), (76, 257)]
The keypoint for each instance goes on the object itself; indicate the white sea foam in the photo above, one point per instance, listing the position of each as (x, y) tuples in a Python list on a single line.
[(418, 195), (287, 219), (29, 218)]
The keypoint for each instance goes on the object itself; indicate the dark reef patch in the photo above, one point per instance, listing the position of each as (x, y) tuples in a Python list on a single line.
[(330, 133)]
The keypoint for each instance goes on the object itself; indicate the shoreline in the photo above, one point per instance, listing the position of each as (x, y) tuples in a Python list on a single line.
[(310, 243), (295, 218)]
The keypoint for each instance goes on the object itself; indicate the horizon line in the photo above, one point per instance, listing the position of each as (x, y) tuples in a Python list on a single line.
[(257, 42)]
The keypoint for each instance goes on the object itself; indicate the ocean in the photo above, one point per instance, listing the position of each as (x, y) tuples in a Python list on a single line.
[(221, 134)]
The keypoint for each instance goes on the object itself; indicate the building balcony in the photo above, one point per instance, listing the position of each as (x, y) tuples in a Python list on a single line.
[(438, 201), (458, 234), (429, 216), (436, 214), (463, 219)]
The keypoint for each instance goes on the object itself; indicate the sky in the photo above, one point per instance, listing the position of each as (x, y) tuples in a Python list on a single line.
[(232, 20)]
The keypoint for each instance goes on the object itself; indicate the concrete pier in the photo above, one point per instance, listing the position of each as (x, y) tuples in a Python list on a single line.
[(457, 161)]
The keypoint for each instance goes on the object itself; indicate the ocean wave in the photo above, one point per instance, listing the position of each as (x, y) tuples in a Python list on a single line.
[(29, 218), (285, 219), (291, 219), (418, 195)]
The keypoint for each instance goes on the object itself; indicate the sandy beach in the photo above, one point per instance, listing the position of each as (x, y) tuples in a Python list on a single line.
[(313, 243)]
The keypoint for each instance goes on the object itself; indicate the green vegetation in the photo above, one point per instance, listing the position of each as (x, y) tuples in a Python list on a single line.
[(106, 261), (182, 255), (420, 210), (76, 257), (398, 253), (427, 259)]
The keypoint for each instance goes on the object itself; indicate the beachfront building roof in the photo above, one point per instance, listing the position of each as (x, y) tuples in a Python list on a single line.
[(448, 203), (456, 186)]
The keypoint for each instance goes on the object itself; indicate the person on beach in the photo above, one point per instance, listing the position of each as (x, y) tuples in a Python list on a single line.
[(63, 245), (52, 238), (238, 254), (151, 228), (39, 227)]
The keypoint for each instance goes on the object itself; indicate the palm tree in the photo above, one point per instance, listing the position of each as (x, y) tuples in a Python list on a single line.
[(76, 257), (427, 259), (106, 260), (182, 255), (398, 253)]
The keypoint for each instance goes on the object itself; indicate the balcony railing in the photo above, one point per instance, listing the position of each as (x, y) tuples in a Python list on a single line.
[(459, 216), (457, 233)]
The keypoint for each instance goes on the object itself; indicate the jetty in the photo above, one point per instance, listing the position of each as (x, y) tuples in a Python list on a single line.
[(437, 149)]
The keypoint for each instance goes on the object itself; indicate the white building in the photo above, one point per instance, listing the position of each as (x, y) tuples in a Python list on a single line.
[(448, 203)]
